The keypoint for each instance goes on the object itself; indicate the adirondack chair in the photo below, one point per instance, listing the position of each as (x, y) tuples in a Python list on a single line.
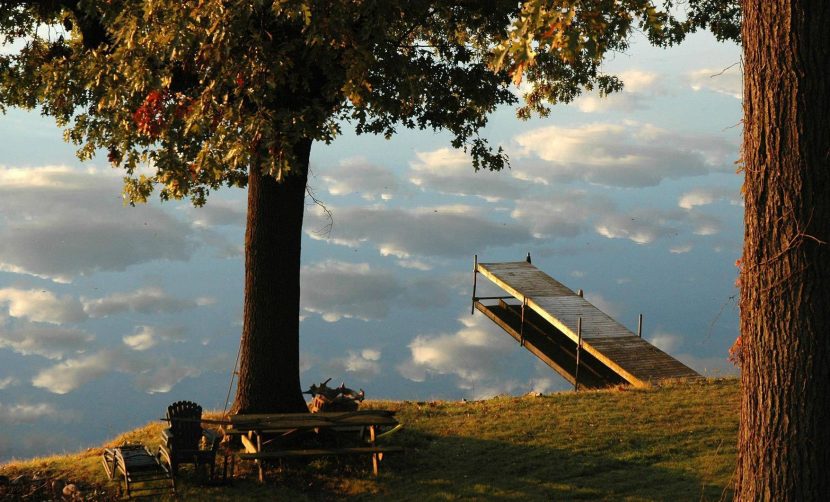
[(181, 442)]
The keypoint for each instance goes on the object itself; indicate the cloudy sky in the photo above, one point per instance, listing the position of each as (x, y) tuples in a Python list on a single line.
[(109, 313)]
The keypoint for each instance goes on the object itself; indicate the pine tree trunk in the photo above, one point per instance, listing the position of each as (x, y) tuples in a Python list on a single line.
[(269, 369), (784, 439)]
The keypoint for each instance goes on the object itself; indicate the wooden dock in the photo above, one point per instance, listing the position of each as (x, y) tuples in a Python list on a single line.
[(568, 333)]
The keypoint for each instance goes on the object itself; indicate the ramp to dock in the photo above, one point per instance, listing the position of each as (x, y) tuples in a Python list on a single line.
[(562, 328)]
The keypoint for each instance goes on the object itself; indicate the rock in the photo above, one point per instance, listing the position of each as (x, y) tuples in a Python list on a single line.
[(71, 491)]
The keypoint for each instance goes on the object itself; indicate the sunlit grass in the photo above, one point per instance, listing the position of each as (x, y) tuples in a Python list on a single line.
[(671, 443)]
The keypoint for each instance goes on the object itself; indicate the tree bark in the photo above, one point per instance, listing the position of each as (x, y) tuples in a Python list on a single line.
[(784, 438), (269, 370)]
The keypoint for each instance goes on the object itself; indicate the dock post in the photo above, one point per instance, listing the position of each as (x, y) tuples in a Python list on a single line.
[(578, 350), (522, 325), (640, 326), (475, 274)]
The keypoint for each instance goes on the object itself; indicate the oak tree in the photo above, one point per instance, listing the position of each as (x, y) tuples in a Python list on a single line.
[(784, 439), (212, 93)]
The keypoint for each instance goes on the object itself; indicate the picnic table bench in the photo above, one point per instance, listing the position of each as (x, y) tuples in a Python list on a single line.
[(270, 436)]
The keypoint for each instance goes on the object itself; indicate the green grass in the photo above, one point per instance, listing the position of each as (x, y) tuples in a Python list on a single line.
[(676, 442)]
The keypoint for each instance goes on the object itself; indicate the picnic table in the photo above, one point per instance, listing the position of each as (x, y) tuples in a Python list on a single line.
[(277, 436)]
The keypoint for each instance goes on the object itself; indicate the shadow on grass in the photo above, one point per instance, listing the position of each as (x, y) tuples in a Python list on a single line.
[(453, 467), (442, 467)]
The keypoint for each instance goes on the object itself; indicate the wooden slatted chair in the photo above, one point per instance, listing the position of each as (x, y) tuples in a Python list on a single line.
[(141, 471), (182, 441)]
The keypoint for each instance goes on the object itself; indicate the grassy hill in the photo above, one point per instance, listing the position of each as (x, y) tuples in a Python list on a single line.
[(671, 443)]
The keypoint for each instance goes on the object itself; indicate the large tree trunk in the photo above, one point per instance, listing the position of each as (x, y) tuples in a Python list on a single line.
[(269, 370), (784, 440)]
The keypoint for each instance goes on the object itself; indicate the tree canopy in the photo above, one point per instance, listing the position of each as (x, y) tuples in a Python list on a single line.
[(199, 88)]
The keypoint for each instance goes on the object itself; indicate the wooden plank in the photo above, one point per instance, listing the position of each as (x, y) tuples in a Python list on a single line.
[(250, 447), (288, 421), (319, 452), (529, 345), (331, 416), (633, 358), (286, 424), (548, 348)]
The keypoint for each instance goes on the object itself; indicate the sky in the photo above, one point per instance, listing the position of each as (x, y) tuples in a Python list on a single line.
[(108, 313)]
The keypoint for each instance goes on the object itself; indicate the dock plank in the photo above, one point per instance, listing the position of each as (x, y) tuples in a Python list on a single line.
[(632, 358)]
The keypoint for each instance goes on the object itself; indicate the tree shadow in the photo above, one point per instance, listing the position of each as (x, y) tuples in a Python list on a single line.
[(456, 467)]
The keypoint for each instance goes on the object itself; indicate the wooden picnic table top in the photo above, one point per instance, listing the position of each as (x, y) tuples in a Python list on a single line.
[(286, 421)]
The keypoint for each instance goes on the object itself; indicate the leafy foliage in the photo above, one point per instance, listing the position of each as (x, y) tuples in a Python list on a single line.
[(736, 352), (559, 45), (202, 89)]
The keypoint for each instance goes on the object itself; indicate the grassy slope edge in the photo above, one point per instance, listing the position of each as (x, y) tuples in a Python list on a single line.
[(673, 442)]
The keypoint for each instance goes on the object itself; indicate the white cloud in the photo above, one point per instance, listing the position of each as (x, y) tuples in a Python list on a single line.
[(152, 374), (68, 375), (627, 154), (356, 176), (423, 232), (59, 222), (680, 248), (471, 353), (42, 306), (142, 340), (562, 214), (336, 289), (703, 196), (161, 378), (569, 214), (7, 382), (705, 224), (450, 171), (150, 300), (640, 81), (307, 361), (146, 337), (544, 384), (667, 342), (27, 413), (697, 197), (218, 213), (727, 81), (641, 226), (55, 178), (414, 265), (646, 225), (640, 87), (52, 342), (363, 364)]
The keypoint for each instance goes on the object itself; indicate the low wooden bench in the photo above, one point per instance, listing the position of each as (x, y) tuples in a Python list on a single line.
[(265, 436), (140, 469)]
